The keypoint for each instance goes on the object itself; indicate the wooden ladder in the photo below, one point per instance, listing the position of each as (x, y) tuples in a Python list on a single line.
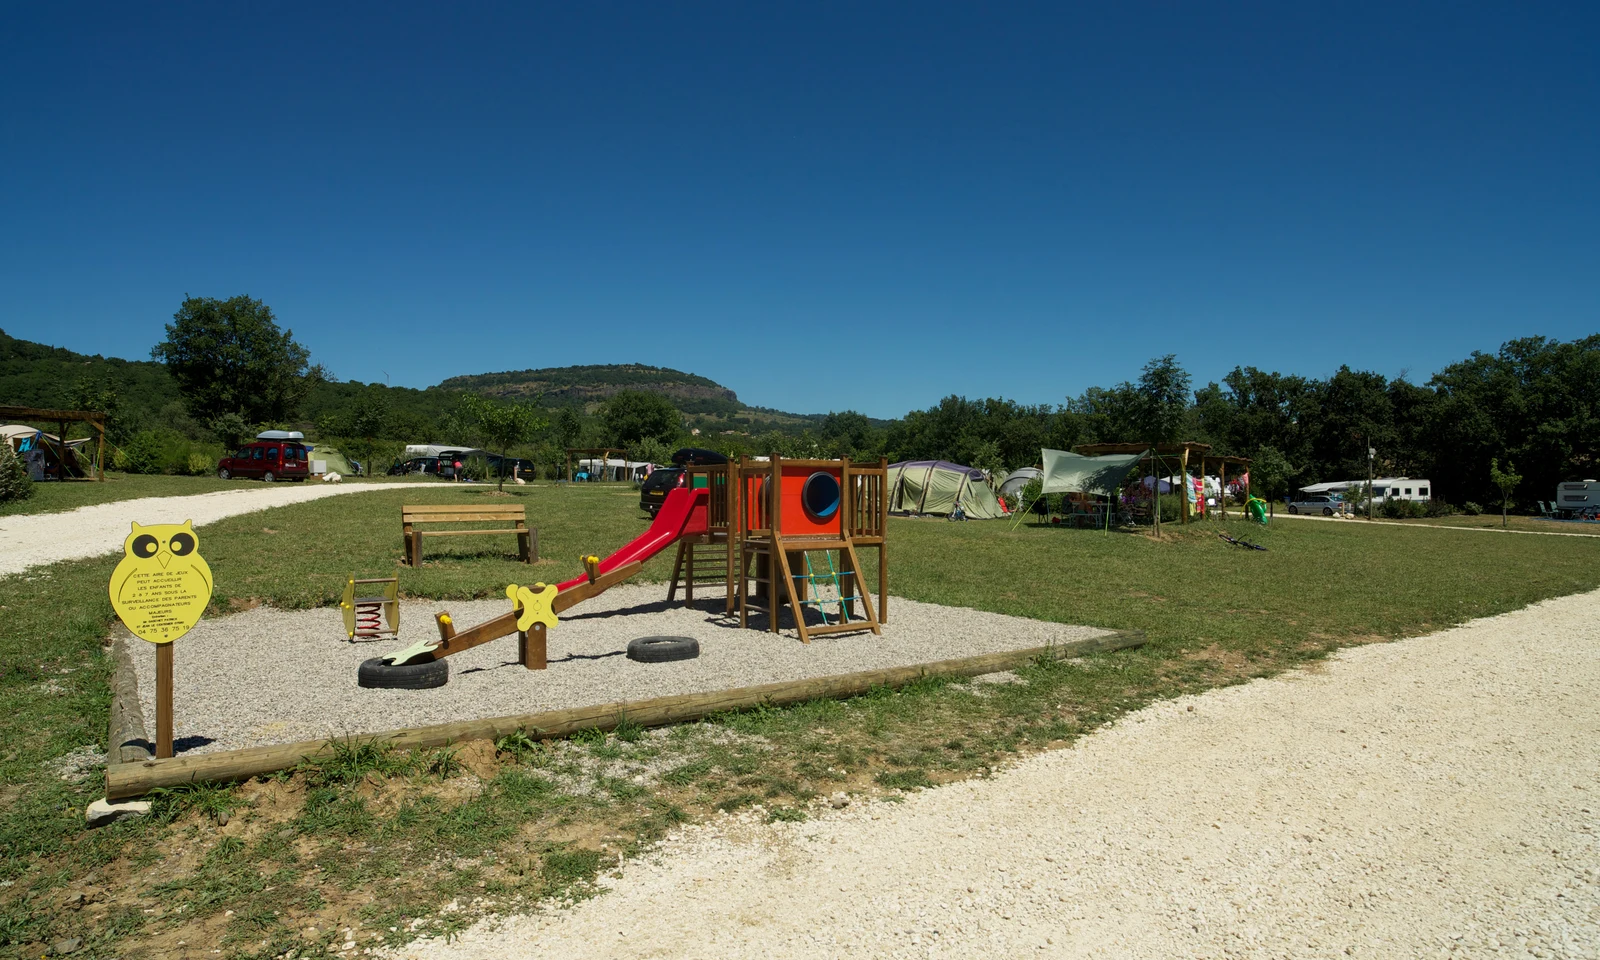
[(701, 561)]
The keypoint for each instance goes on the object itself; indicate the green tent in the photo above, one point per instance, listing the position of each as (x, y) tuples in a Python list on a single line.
[(334, 460), (937, 487), (1074, 473)]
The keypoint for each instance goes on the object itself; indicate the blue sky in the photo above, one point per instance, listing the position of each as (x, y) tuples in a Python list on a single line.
[(822, 206)]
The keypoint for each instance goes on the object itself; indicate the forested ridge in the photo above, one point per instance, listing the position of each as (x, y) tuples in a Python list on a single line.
[(1534, 403)]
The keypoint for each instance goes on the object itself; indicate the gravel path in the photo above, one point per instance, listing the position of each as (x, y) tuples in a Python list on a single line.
[(276, 676), (1434, 797), (28, 540), (1439, 526)]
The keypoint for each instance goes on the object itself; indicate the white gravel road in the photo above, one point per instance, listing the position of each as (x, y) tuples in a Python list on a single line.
[(32, 539), (1433, 797)]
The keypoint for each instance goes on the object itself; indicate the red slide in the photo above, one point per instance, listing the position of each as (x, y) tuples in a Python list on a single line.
[(683, 514)]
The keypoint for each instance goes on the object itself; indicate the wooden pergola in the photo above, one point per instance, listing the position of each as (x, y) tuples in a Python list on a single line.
[(1182, 451), (62, 418), (604, 453)]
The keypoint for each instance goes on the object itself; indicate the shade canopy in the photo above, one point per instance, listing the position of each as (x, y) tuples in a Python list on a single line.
[(1066, 472)]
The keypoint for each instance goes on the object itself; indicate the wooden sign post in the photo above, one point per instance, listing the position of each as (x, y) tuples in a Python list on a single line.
[(159, 590)]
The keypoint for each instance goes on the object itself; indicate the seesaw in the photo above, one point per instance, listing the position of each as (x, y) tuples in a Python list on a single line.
[(534, 610)]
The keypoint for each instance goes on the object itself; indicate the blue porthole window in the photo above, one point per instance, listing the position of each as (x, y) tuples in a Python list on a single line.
[(820, 496)]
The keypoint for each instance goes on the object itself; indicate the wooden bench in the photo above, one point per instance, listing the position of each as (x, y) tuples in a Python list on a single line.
[(412, 517)]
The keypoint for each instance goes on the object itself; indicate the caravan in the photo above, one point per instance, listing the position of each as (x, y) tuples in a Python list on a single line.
[(1578, 498)]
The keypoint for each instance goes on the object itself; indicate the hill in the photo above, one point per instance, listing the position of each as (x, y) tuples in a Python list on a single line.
[(34, 374), (582, 385)]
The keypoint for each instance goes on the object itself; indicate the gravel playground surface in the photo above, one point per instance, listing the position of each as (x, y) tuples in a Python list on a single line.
[(28, 540), (275, 676), (1432, 797)]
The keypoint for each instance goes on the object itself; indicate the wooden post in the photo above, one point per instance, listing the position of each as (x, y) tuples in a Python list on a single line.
[(883, 540), (1183, 501), (101, 457), (163, 701), (532, 647), (1222, 487)]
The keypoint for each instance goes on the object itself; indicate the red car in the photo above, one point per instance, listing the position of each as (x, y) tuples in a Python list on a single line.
[(269, 460)]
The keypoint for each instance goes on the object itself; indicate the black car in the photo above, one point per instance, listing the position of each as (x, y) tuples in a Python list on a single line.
[(512, 467), (653, 491), (444, 467)]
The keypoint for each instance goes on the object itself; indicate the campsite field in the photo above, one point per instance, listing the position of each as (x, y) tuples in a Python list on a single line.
[(376, 843)]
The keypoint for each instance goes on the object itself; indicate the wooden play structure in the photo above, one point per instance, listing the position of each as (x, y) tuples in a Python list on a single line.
[(374, 615), (772, 533)]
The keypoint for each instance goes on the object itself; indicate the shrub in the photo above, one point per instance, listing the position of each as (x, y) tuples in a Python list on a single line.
[(1471, 509), (199, 464), (1438, 508), (475, 468), (15, 484), (142, 454), (1397, 509)]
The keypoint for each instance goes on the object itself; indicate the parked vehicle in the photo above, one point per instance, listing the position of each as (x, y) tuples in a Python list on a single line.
[(1578, 498), (1316, 503), (653, 490), (512, 466), (444, 467), (268, 460)]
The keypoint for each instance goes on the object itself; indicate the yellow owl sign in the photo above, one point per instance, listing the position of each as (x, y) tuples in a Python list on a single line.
[(162, 585)]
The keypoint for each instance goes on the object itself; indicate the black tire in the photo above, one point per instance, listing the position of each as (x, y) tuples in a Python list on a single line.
[(663, 649), (1293, 509), (268, 477), (1327, 511), (223, 474), (374, 674)]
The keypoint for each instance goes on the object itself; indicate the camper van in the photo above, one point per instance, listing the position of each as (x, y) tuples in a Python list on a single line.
[(1401, 488), (1578, 497)]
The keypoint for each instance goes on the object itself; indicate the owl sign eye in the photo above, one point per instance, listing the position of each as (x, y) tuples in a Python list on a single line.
[(181, 545), (145, 546)]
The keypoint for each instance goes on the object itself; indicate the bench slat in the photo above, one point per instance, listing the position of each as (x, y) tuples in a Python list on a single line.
[(459, 507), (462, 533), (463, 518)]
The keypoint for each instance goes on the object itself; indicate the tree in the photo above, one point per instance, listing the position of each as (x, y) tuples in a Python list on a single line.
[(502, 426), (1506, 480), (633, 415), (228, 356), (1160, 401), (230, 428), (1162, 396), (567, 426), (100, 395), (651, 450), (1270, 473)]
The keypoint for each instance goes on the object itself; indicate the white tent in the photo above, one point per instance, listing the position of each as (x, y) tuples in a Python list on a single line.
[(1012, 485)]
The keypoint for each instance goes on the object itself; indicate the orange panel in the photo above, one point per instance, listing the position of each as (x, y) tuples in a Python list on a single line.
[(796, 522)]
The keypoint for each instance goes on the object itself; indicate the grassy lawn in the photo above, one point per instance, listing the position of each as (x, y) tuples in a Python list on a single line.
[(376, 842)]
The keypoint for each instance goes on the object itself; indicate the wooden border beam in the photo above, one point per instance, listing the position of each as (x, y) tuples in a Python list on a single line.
[(125, 780)]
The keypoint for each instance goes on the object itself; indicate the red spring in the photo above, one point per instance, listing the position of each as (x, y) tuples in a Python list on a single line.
[(369, 619)]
